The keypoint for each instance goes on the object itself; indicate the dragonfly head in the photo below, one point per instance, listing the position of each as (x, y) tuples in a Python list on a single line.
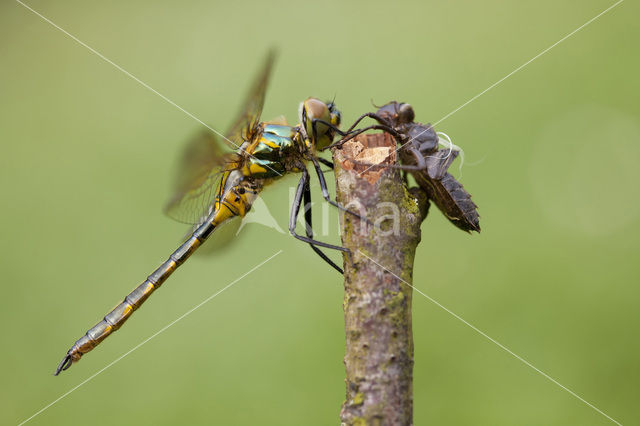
[(397, 113), (319, 119)]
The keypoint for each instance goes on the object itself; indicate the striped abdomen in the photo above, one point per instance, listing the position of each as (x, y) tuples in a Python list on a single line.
[(114, 319), (452, 200), (235, 197), (442, 188)]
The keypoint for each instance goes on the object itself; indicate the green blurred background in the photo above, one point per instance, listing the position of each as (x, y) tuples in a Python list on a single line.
[(87, 162)]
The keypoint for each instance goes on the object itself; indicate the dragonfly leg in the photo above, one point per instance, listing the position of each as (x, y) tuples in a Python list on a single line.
[(295, 211), (309, 229), (375, 116), (325, 191), (326, 123), (393, 132), (365, 115), (421, 164), (326, 162)]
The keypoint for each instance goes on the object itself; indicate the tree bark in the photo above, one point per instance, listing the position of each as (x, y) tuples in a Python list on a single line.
[(377, 305)]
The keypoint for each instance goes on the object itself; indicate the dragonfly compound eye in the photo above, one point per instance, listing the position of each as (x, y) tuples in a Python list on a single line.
[(316, 109), (316, 118)]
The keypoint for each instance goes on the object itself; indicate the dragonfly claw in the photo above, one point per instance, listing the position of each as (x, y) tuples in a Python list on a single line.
[(64, 364)]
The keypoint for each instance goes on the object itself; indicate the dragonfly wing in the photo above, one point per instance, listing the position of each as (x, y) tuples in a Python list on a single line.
[(245, 125), (200, 169), (226, 234), (193, 206), (438, 163), (205, 158)]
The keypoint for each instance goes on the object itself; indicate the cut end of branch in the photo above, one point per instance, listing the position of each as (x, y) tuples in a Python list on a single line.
[(367, 155)]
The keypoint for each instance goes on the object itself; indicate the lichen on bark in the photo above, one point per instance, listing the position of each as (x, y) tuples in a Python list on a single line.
[(377, 304)]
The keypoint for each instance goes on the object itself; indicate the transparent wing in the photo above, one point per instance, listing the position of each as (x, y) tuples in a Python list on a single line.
[(245, 125), (226, 234), (204, 157), (200, 169)]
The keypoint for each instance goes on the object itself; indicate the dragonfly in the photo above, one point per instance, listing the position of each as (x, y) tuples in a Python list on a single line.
[(420, 154), (218, 184)]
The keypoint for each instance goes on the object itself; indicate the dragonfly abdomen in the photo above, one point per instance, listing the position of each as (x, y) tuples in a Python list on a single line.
[(114, 319), (452, 200)]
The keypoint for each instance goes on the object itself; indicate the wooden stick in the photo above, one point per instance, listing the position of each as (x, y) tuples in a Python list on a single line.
[(377, 305)]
